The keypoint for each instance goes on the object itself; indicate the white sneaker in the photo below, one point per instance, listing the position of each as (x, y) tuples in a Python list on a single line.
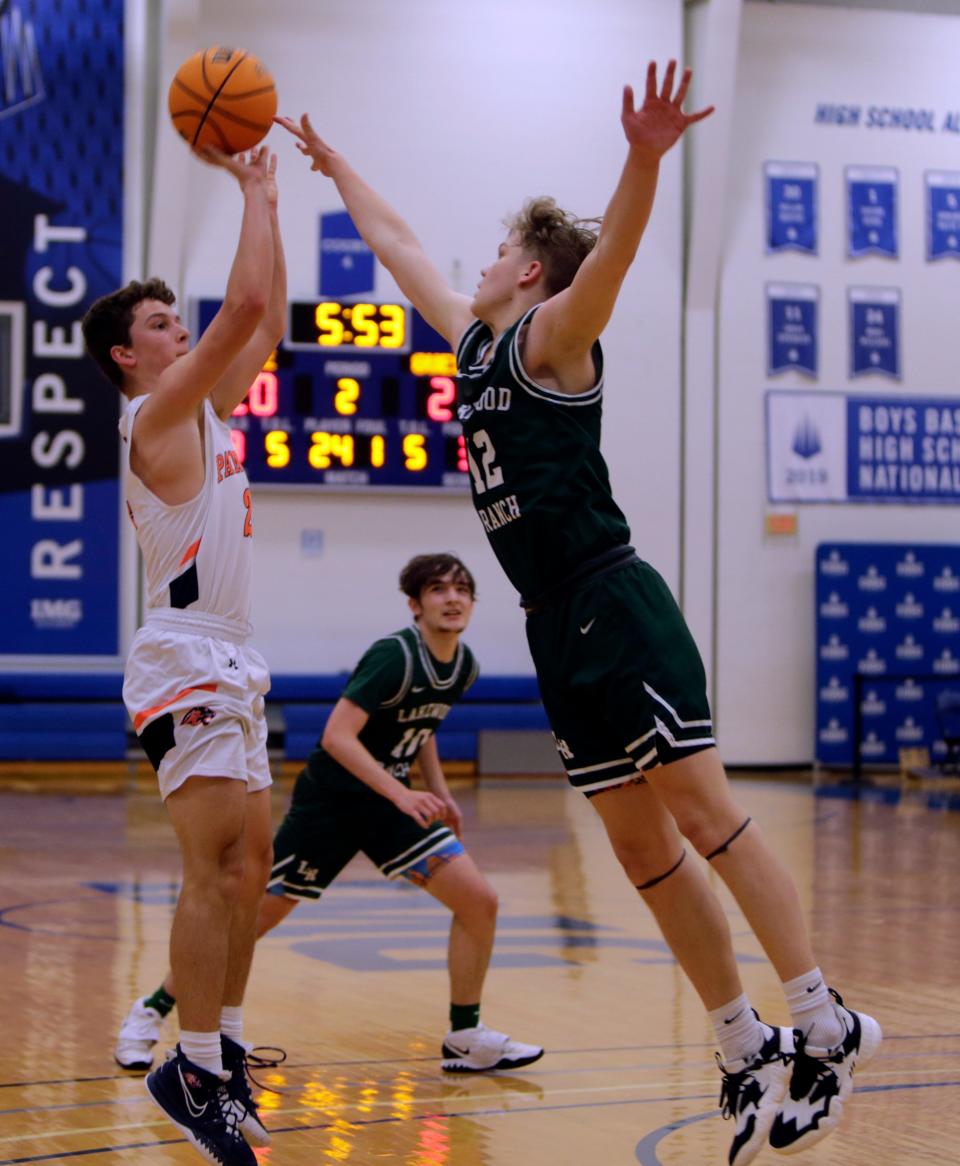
[(752, 1091), (139, 1032), (822, 1082), (480, 1049)]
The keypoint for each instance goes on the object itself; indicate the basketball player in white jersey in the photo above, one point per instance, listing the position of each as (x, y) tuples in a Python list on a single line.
[(193, 688)]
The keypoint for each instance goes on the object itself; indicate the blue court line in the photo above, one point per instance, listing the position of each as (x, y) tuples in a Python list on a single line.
[(646, 1150)]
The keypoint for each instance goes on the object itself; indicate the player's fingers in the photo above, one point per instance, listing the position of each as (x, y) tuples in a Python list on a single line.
[(307, 124), (699, 115), (627, 101), (684, 86), (668, 76), (651, 80), (289, 125)]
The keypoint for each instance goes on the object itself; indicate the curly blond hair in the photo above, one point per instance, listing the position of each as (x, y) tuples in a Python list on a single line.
[(559, 240)]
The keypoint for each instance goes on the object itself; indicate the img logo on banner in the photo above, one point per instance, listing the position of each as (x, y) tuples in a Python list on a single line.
[(871, 211), (791, 199), (943, 213), (806, 447), (792, 311), (346, 262), (874, 331)]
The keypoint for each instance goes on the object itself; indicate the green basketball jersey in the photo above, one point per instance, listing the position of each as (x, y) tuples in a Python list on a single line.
[(407, 693), (539, 482)]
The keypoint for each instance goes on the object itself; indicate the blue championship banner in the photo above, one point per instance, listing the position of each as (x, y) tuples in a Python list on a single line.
[(792, 317), (871, 211), (791, 199), (889, 613), (943, 213), (346, 262), (61, 184), (874, 331), (831, 447)]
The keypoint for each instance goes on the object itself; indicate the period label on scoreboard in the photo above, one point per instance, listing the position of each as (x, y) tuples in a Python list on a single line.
[(358, 396)]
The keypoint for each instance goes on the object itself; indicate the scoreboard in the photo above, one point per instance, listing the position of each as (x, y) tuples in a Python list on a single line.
[(357, 396)]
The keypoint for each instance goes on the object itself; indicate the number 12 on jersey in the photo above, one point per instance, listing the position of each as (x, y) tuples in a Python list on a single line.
[(488, 475)]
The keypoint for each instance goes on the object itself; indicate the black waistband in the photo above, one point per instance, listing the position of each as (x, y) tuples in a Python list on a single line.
[(602, 564)]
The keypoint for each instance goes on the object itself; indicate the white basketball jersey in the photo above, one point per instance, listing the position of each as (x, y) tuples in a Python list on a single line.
[(197, 555)]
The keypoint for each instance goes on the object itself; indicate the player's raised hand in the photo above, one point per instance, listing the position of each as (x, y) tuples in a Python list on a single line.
[(659, 123), (258, 167), (309, 142)]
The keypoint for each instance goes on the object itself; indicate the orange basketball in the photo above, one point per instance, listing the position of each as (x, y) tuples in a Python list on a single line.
[(222, 97)]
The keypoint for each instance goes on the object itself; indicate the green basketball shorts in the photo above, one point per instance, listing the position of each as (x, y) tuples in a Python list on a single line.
[(621, 679), (326, 827)]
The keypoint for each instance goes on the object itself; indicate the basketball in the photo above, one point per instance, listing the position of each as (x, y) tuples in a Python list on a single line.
[(222, 97)]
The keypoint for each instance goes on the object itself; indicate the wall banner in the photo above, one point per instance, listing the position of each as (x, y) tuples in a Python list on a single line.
[(791, 200), (871, 211), (61, 189), (890, 612), (346, 262), (792, 319), (943, 213), (834, 447), (874, 331)]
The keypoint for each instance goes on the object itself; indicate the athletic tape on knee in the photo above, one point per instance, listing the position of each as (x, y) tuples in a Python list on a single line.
[(659, 879), (724, 846)]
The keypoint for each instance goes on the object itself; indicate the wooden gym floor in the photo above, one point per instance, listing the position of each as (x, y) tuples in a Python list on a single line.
[(354, 988)]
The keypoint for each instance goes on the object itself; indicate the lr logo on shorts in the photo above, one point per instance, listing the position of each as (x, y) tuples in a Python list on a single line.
[(201, 715), (562, 748)]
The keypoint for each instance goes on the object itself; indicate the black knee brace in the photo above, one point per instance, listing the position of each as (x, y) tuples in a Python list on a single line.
[(725, 846), (659, 879)]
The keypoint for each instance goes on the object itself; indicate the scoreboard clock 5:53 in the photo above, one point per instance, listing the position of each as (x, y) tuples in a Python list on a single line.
[(358, 396)]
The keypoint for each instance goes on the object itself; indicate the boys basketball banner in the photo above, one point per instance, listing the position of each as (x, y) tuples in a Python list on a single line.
[(830, 447), (872, 211), (943, 214), (874, 331), (61, 183), (791, 197), (792, 328)]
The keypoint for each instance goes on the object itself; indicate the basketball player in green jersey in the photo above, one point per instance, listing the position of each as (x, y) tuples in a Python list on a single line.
[(621, 679), (354, 795)]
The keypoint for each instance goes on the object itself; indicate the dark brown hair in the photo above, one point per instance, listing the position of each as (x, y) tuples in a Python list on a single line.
[(557, 239), (423, 570), (108, 321)]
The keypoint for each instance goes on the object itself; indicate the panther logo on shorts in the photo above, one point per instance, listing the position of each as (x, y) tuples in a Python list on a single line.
[(201, 715)]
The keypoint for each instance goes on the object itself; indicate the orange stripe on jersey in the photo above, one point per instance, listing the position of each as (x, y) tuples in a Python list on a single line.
[(139, 719), (190, 552)]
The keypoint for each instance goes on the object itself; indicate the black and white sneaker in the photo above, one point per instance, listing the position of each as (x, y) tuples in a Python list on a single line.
[(237, 1061), (481, 1049), (822, 1081), (752, 1091), (198, 1104)]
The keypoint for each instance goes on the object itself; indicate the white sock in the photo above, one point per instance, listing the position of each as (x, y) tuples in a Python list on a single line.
[(739, 1033), (231, 1023), (203, 1049), (812, 1009)]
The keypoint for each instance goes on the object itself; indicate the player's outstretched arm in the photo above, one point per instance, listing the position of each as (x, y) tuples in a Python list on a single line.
[(568, 324), (388, 236), (341, 739), (233, 386), (191, 378), (436, 783)]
